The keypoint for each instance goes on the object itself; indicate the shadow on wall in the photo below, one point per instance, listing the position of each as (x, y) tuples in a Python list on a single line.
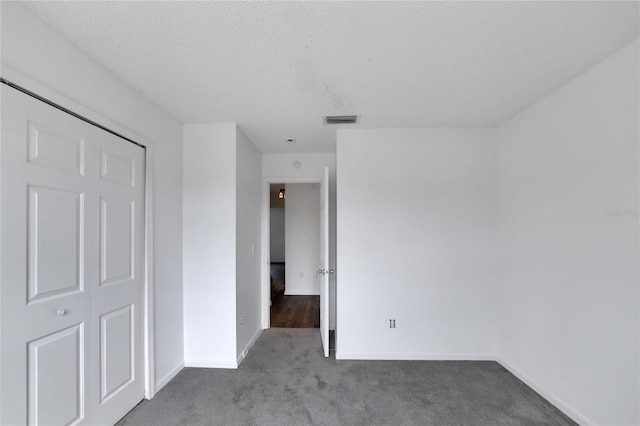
[(277, 271)]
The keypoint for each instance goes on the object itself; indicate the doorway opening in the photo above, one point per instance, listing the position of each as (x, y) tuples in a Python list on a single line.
[(320, 270), (294, 215)]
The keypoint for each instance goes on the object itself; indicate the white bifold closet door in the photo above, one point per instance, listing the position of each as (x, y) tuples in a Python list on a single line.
[(72, 268)]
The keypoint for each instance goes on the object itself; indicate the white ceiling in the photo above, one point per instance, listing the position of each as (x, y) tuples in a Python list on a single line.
[(276, 68)]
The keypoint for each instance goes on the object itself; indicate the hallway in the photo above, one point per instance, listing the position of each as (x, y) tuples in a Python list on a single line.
[(295, 311)]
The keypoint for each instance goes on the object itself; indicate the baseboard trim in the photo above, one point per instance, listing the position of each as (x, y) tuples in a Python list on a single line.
[(378, 356), (295, 293), (170, 375), (242, 355), (195, 363), (567, 409)]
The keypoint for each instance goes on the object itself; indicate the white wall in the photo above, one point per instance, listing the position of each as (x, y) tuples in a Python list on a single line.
[(570, 321), (416, 237), (248, 252), (38, 55), (222, 257), (302, 246), (209, 211), (311, 165), (277, 232)]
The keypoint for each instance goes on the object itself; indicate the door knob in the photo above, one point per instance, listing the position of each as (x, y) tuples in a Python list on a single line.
[(61, 312)]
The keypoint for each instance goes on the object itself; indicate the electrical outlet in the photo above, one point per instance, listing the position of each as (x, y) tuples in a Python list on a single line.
[(392, 323), (241, 320)]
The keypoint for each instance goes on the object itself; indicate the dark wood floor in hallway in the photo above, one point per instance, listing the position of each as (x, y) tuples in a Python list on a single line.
[(295, 311)]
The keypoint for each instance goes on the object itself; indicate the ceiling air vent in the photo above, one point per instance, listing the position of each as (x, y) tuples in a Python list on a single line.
[(340, 119)]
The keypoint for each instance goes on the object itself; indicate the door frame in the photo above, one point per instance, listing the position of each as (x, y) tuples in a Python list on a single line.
[(266, 239), (51, 95)]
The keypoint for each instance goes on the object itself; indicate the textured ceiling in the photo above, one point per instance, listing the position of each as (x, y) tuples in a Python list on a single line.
[(276, 68)]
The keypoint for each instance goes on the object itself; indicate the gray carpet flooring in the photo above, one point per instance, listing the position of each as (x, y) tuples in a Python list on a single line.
[(285, 380)]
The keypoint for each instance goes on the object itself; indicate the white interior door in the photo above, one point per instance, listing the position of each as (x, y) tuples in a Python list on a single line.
[(117, 351), (324, 259), (71, 248)]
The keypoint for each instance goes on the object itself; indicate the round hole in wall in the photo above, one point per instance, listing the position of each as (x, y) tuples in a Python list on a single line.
[(296, 164)]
